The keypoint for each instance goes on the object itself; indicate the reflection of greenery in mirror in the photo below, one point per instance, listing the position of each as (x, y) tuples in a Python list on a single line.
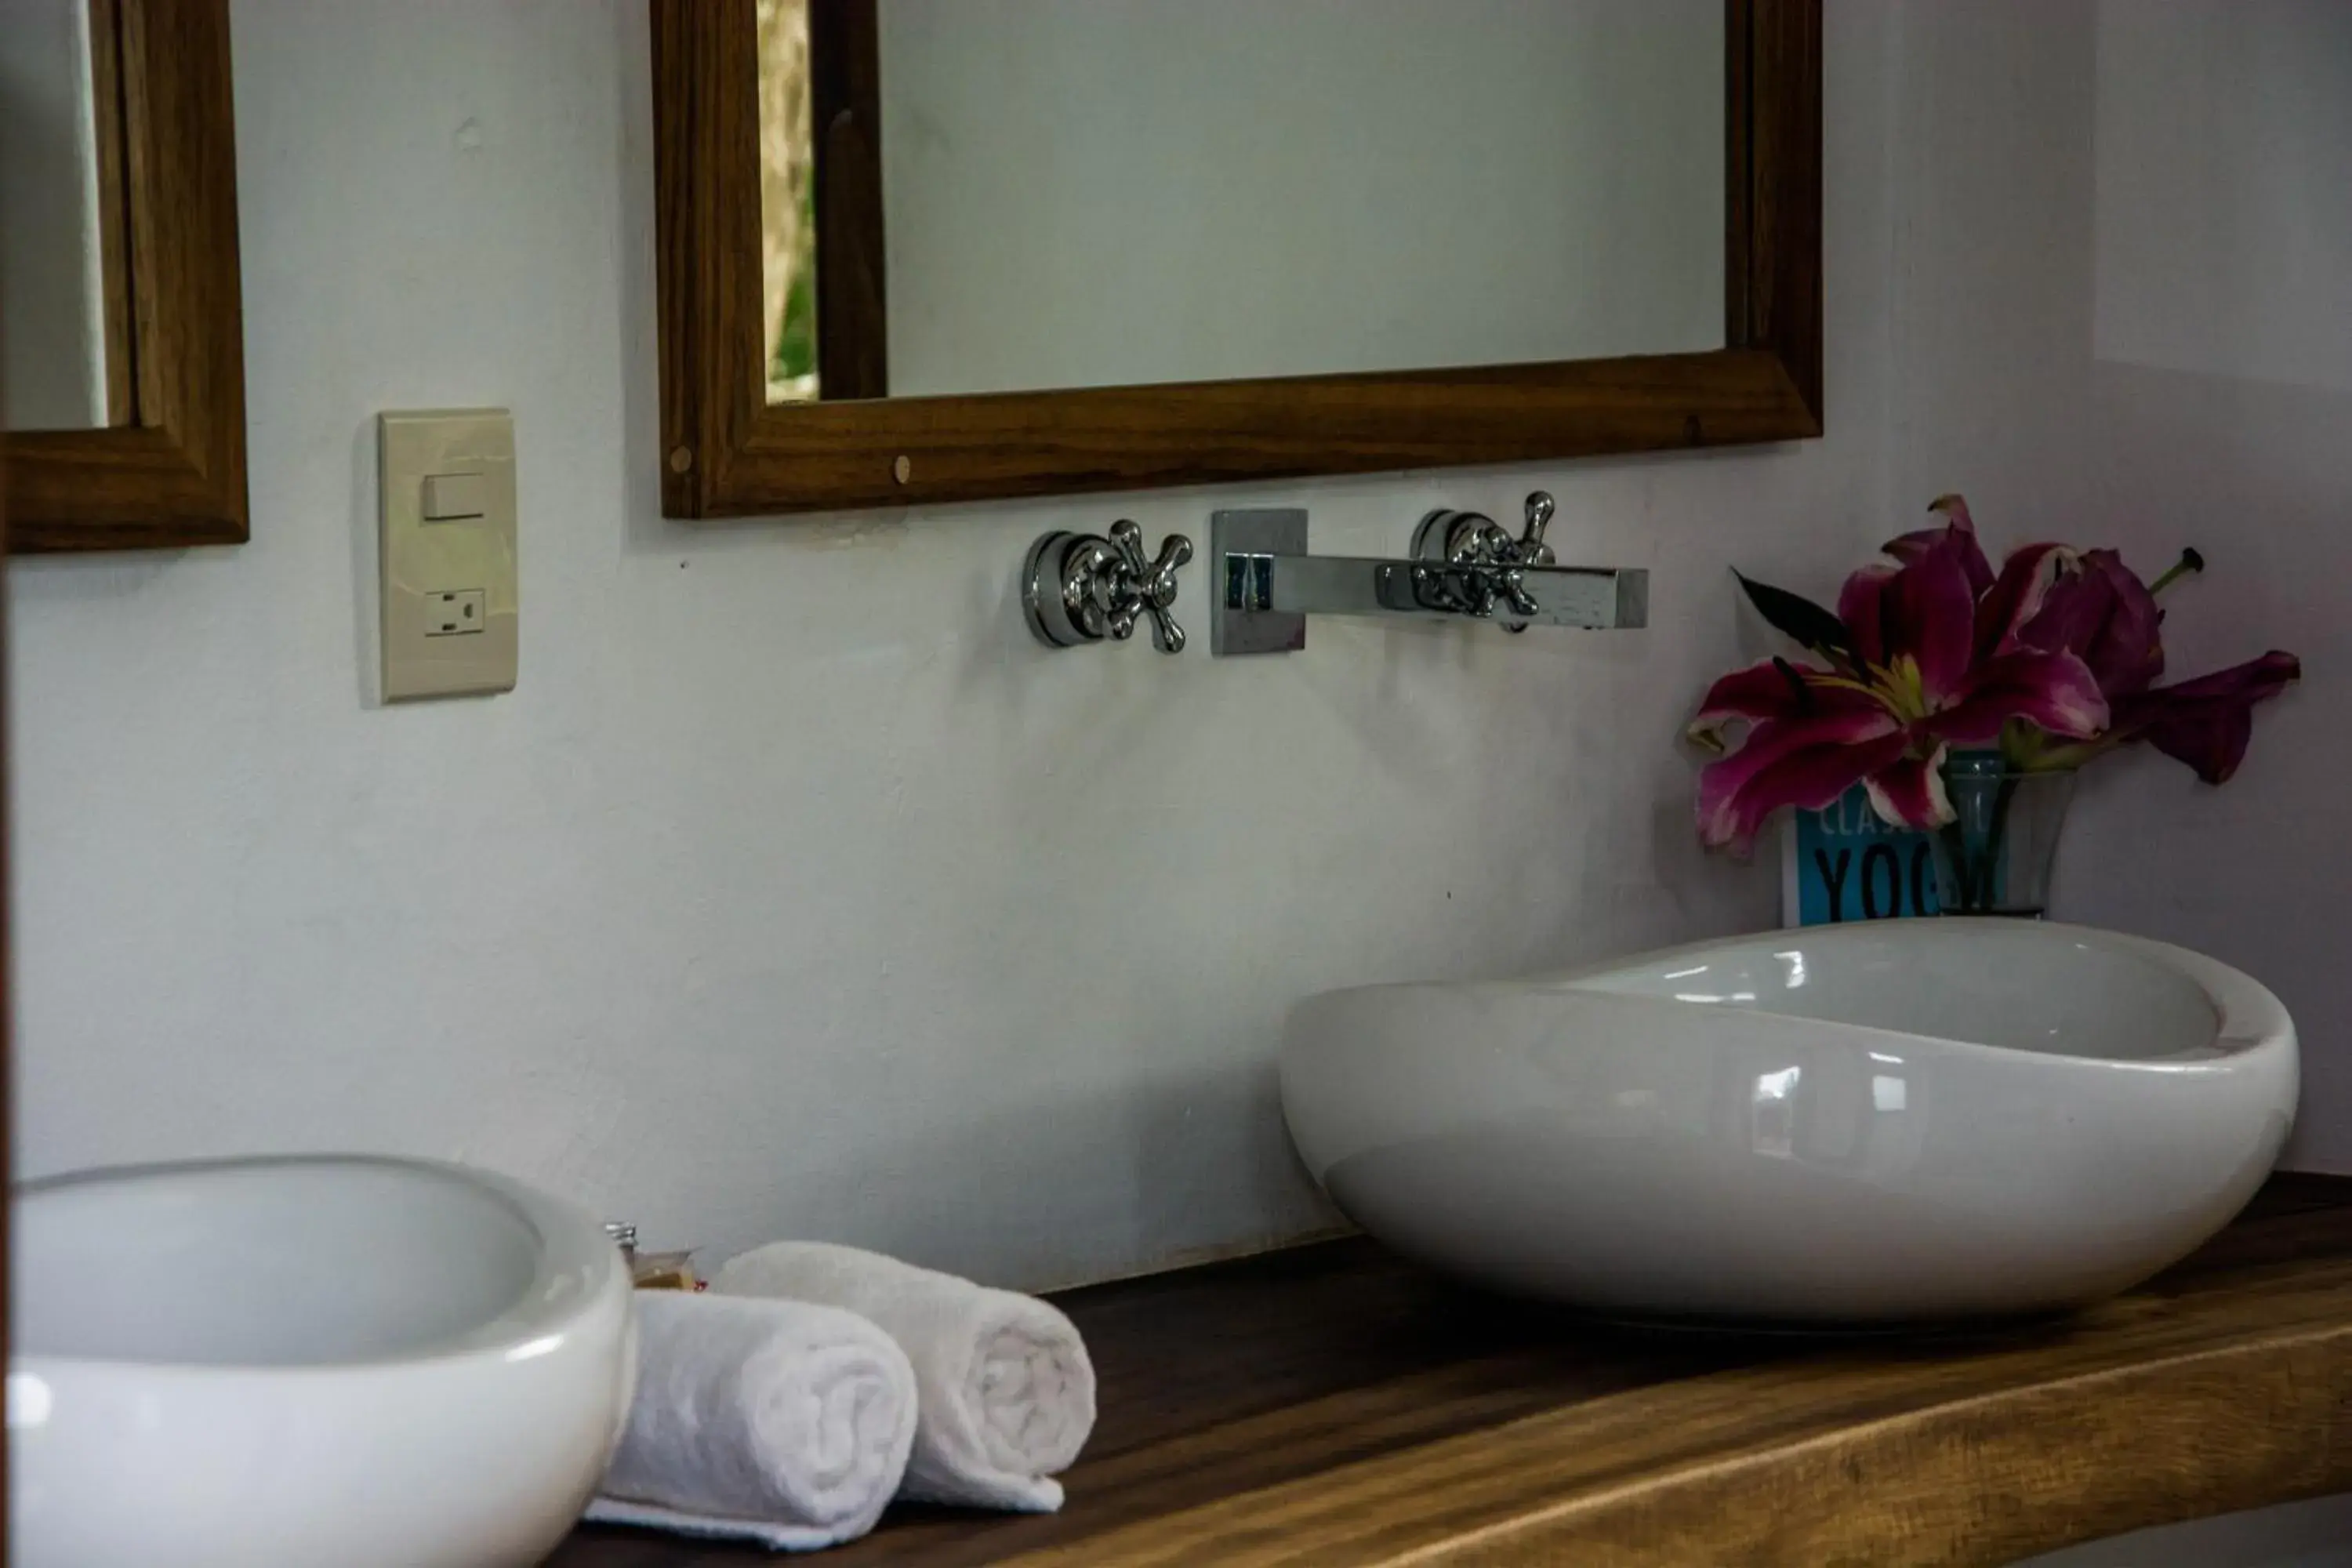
[(787, 202)]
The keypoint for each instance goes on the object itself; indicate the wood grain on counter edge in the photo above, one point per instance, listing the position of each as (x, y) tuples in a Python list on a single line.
[(1431, 1426), (2236, 1401)]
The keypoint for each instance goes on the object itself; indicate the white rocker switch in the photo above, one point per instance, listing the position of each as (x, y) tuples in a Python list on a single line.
[(449, 498)]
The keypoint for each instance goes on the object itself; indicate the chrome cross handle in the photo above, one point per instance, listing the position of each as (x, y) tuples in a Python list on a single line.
[(1079, 588), (1474, 590), (1481, 563), (1512, 581), (1148, 587), (1473, 539), (1532, 549)]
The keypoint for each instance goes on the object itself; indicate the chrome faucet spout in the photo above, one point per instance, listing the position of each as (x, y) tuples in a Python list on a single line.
[(1464, 566)]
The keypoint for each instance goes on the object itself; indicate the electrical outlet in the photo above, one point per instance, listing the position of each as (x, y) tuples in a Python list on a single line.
[(454, 614), (450, 608)]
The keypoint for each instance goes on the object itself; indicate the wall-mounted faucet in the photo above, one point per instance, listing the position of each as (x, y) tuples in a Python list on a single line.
[(1464, 565), (1080, 588)]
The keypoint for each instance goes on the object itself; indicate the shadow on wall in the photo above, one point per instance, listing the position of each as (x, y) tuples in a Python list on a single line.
[(910, 1198)]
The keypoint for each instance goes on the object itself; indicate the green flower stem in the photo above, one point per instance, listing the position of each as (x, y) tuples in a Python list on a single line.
[(1955, 845), (1998, 839), (1979, 873), (2190, 560)]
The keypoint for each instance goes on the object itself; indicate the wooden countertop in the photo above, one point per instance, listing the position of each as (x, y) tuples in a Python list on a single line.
[(1333, 1405)]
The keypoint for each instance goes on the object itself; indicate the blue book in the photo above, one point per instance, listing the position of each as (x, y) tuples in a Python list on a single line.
[(1843, 863)]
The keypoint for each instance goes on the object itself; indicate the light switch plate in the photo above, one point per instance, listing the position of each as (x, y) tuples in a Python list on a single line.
[(450, 610)]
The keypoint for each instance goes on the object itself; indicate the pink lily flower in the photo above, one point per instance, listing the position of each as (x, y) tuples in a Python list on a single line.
[(2208, 721), (2109, 617), (2054, 657), (2103, 612), (1923, 655)]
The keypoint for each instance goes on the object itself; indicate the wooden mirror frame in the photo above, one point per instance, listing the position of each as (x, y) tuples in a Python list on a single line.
[(171, 471), (727, 452)]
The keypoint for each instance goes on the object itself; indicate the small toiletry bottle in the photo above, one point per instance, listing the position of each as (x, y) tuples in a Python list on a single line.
[(652, 1271)]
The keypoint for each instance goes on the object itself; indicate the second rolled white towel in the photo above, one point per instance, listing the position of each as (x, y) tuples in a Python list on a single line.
[(777, 1422), (1004, 1390)]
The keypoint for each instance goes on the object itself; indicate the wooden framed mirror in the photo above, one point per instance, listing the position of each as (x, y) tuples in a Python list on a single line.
[(125, 377), (770, 377)]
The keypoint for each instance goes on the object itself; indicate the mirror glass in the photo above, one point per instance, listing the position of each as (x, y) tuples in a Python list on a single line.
[(1093, 193), (53, 355)]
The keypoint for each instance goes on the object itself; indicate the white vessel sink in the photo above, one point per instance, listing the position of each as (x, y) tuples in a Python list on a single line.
[(1894, 1121), (293, 1363)]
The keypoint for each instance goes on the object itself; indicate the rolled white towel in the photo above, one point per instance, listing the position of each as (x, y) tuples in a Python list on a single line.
[(1005, 1392), (780, 1422)]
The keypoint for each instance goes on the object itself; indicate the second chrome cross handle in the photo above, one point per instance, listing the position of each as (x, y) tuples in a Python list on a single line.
[(1472, 563)]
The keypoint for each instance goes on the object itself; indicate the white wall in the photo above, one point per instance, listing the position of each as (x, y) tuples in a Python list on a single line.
[(1090, 193), (2222, 153), (795, 890), (2061, 270)]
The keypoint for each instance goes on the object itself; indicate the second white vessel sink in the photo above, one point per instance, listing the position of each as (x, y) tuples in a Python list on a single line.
[(1884, 1122), (308, 1361)]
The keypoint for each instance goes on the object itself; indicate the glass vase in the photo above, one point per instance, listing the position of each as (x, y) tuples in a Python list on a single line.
[(1995, 856)]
